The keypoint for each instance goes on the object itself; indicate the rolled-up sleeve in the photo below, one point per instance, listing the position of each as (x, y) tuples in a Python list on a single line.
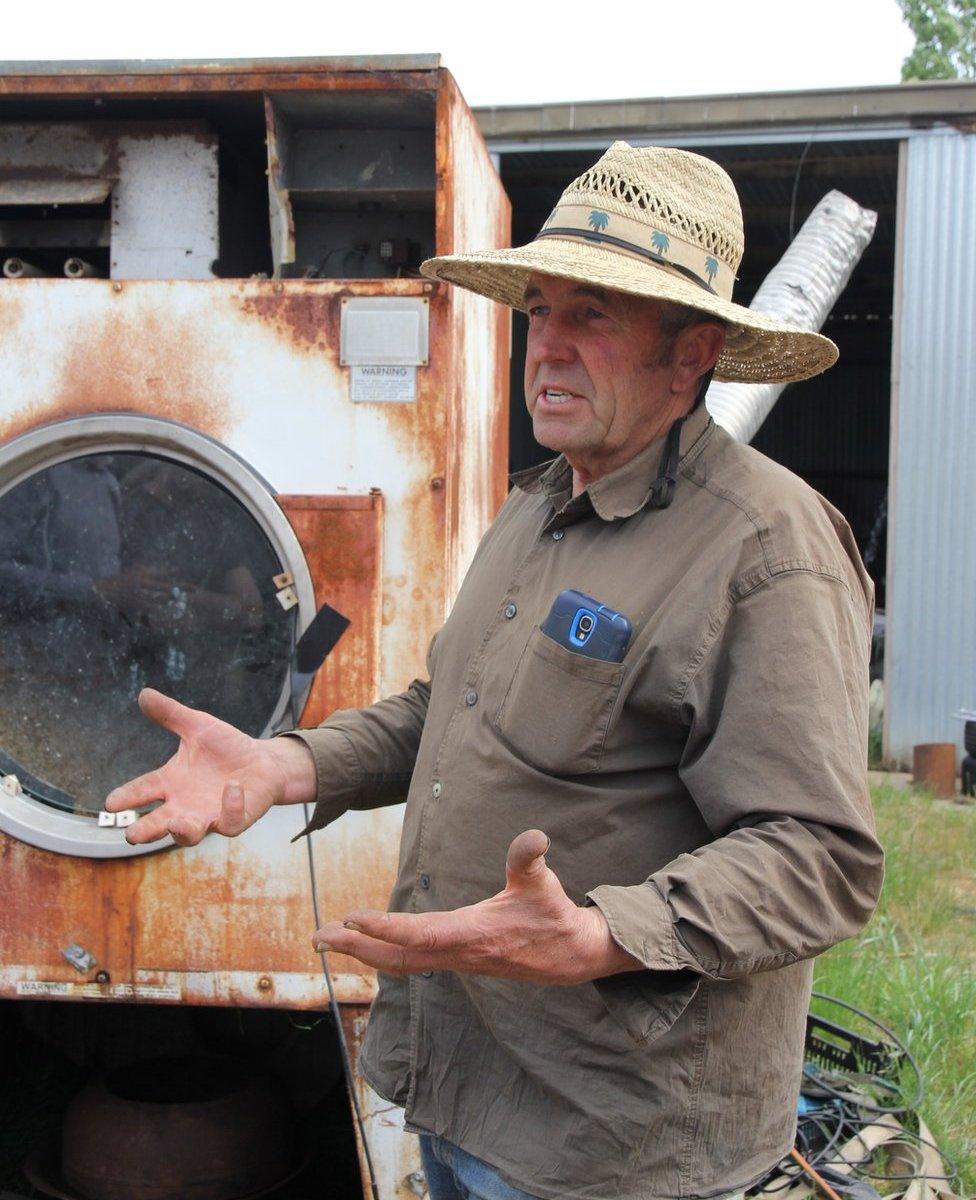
[(364, 758), (775, 702)]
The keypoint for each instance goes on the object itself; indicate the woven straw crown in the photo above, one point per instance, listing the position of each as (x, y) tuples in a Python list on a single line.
[(670, 196), (660, 223)]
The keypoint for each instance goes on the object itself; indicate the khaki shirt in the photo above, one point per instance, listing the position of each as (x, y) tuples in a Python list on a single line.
[(709, 793)]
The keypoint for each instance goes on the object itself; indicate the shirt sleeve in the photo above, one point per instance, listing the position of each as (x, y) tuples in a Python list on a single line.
[(364, 758), (776, 705)]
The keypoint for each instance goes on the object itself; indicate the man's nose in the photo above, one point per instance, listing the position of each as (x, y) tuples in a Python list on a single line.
[(553, 340)]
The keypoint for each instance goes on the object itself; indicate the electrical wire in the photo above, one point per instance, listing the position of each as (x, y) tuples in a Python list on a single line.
[(812, 1172), (902, 1050), (796, 185), (841, 1108), (337, 1017)]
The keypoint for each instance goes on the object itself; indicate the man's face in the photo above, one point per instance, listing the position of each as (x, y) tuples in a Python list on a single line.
[(595, 383)]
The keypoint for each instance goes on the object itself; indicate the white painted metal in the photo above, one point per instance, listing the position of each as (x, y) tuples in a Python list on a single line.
[(801, 290), (931, 631), (164, 207)]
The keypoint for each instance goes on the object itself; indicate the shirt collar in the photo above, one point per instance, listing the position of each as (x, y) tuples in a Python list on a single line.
[(625, 491)]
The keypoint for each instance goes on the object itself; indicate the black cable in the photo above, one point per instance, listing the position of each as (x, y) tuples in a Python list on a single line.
[(903, 1050), (796, 185), (337, 1017)]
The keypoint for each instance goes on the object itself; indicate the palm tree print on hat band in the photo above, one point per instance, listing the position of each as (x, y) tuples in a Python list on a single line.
[(616, 232)]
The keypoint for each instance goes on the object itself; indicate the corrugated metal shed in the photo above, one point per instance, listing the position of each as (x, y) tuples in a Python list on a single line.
[(931, 645)]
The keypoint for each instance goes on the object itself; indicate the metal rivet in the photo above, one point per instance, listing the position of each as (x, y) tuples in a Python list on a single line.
[(557, 535), (470, 697), (425, 881), (510, 611), (116, 287), (264, 983), (437, 483), (436, 789)]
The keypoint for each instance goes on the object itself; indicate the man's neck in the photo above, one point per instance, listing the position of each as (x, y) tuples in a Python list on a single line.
[(588, 469)]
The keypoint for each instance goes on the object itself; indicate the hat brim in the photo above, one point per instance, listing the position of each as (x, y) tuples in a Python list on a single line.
[(758, 349)]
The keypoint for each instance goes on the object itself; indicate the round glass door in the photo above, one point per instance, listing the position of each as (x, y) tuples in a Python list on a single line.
[(130, 567)]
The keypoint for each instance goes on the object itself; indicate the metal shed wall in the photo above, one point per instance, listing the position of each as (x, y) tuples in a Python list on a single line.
[(931, 636)]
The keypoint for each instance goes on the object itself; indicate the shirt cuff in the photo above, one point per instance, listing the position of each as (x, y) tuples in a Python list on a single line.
[(640, 923), (646, 1003), (338, 774)]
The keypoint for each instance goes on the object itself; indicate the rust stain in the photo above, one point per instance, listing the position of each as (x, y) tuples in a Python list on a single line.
[(303, 318), (341, 538), (214, 79), (150, 359), (49, 901)]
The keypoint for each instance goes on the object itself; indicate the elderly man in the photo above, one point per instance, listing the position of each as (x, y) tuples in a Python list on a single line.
[(621, 1014)]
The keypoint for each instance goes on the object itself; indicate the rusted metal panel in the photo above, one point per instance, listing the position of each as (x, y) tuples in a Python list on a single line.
[(255, 365), (396, 1155), (342, 538), (217, 78), (282, 216), (477, 215)]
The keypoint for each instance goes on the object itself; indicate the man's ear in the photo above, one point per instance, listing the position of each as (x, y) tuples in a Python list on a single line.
[(696, 351)]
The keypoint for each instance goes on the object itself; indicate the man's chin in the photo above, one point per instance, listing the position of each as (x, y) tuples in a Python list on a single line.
[(557, 435)]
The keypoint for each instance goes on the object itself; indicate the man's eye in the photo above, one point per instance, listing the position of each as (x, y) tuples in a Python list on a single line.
[(537, 310), (591, 313)]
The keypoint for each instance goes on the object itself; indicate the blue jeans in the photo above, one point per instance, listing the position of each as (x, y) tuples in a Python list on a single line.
[(453, 1174)]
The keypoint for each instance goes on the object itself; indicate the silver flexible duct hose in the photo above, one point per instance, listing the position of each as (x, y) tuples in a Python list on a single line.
[(801, 289)]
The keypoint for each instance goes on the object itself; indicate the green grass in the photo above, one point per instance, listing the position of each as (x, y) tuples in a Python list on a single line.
[(914, 967)]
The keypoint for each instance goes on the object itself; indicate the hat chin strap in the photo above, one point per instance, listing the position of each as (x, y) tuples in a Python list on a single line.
[(662, 489)]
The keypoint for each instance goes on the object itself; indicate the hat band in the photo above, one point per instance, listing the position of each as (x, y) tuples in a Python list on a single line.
[(594, 225)]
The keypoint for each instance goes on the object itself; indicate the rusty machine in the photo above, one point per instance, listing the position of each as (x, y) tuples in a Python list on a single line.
[(227, 397)]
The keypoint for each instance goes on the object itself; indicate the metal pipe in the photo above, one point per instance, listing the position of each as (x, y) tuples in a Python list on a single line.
[(16, 268), (77, 268), (801, 289)]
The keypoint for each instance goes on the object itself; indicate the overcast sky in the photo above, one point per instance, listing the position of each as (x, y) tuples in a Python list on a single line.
[(502, 51)]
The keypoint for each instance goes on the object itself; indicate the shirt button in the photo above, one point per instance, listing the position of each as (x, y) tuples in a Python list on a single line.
[(557, 535), (510, 611), (436, 789), (470, 697), (425, 881), (427, 974)]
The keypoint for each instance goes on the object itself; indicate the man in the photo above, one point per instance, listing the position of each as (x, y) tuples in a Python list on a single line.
[(622, 1013)]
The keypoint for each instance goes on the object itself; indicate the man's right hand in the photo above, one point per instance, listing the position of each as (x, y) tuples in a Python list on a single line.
[(219, 779)]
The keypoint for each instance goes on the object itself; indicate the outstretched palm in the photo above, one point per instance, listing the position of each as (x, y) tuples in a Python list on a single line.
[(219, 779)]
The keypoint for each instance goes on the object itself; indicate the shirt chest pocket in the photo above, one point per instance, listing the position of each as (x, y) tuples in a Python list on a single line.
[(556, 711)]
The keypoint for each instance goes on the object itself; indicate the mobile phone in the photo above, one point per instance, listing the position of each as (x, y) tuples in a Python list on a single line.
[(587, 627)]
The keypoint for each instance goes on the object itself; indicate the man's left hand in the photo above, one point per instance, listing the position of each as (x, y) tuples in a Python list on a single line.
[(530, 931)]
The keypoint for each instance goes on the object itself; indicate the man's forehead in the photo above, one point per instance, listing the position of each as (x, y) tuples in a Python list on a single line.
[(540, 286)]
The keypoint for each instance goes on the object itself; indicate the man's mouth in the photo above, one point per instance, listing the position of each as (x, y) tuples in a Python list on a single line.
[(556, 396)]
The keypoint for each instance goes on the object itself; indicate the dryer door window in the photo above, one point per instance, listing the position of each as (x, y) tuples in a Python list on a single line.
[(118, 571)]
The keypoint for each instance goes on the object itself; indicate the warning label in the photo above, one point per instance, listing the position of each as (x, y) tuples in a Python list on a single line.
[(98, 991), (383, 384)]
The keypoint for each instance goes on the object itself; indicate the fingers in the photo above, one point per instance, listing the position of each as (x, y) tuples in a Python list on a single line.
[(526, 857), (169, 713), (392, 959), (150, 828), (187, 830), (414, 931), (142, 790), (234, 818)]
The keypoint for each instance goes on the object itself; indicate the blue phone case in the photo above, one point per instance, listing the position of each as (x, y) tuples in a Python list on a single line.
[(587, 627)]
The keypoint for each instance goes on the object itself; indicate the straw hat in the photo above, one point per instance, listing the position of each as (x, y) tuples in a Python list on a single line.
[(659, 223)]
